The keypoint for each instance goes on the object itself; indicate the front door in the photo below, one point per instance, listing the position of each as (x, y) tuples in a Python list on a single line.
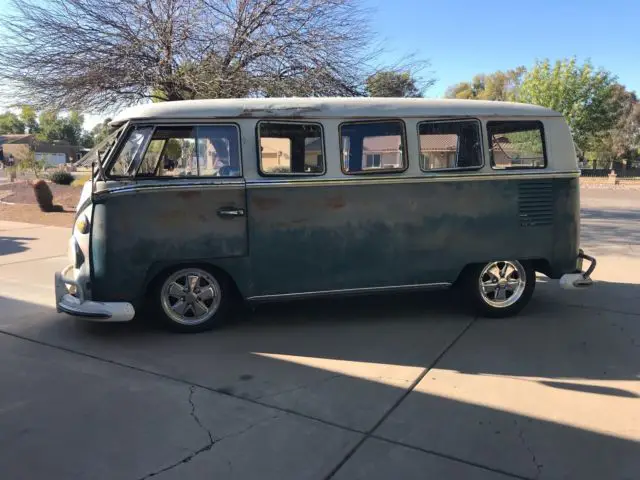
[(185, 204)]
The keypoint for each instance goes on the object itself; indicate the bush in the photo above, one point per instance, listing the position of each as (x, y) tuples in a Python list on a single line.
[(44, 197), (61, 177), (81, 180), (31, 164)]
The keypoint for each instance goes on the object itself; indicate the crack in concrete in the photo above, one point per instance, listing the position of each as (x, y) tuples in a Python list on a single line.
[(195, 453), (194, 415), (212, 441), (538, 466)]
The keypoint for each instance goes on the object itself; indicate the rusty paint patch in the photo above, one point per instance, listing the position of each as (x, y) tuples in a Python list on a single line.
[(336, 202), (266, 203), (188, 194), (278, 111)]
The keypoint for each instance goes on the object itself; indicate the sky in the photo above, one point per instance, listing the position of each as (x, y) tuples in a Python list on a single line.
[(461, 38)]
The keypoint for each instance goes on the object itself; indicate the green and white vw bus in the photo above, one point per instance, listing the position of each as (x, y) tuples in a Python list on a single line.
[(192, 203)]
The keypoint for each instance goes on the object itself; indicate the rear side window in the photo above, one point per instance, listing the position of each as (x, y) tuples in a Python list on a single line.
[(291, 148), (369, 147), (450, 145), (517, 145)]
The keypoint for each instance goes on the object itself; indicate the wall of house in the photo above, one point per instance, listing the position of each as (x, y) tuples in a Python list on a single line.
[(21, 150), (18, 150)]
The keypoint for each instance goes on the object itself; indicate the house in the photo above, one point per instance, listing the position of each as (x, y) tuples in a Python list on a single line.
[(53, 153), (276, 153)]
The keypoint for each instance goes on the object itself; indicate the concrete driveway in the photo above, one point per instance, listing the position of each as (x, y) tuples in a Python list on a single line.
[(375, 388)]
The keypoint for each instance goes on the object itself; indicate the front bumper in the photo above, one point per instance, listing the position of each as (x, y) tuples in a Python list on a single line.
[(76, 305), (580, 280)]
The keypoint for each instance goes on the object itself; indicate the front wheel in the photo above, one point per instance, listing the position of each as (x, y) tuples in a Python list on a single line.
[(500, 288), (190, 299)]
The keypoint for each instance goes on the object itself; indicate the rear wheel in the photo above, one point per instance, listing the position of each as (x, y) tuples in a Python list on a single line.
[(191, 299), (500, 288)]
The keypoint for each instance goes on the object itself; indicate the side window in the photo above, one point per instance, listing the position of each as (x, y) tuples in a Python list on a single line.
[(450, 145), (131, 152), (188, 151), (291, 148), (373, 147), (517, 144)]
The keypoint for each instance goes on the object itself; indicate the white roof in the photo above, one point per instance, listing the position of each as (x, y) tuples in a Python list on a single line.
[(324, 107)]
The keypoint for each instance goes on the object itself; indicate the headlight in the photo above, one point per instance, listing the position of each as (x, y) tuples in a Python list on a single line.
[(82, 224)]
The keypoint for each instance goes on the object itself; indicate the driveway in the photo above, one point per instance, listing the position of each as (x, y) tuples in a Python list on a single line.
[(384, 387)]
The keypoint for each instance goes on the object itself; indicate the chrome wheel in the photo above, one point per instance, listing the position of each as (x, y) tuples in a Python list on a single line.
[(502, 283), (190, 296)]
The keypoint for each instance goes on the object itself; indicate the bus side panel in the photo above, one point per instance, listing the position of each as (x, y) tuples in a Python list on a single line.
[(359, 234), (137, 235), (566, 227)]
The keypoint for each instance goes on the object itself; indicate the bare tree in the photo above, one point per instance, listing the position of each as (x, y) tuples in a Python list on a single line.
[(98, 54)]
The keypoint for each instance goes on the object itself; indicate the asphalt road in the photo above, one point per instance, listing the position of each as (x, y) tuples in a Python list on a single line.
[(376, 388)]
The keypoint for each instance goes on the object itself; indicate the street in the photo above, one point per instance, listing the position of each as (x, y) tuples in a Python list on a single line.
[(407, 387)]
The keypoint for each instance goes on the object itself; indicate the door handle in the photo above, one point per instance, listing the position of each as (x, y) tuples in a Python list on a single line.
[(230, 212)]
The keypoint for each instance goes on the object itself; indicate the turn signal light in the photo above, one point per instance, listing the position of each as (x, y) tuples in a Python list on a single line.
[(82, 224)]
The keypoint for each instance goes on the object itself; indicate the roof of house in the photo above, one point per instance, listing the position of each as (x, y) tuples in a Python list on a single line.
[(439, 142), (364, 107), (15, 138)]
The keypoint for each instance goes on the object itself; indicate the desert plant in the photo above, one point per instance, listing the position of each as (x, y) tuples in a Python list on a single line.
[(12, 173), (44, 197), (60, 177), (31, 163)]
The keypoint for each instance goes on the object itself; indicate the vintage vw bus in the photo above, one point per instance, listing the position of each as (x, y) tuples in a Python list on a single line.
[(194, 202)]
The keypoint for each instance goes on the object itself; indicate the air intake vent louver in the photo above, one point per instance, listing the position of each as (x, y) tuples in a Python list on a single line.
[(535, 203)]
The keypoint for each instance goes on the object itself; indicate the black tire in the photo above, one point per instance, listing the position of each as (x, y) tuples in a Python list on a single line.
[(196, 283), (483, 304)]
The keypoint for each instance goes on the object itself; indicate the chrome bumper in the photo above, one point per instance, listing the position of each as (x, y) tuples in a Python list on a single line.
[(76, 305), (578, 281)]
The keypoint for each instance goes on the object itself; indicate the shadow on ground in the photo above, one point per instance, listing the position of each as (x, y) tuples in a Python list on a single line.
[(349, 363), (11, 245), (610, 226)]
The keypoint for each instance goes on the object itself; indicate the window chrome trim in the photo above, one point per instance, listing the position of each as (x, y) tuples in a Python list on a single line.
[(352, 291), (222, 183), (435, 178), (455, 169)]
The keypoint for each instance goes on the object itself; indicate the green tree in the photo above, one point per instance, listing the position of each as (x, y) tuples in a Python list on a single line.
[(10, 123), (583, 94), (100, 131), (52, 126), (625, 136), (30, 118), (392, 84), (499, 85)]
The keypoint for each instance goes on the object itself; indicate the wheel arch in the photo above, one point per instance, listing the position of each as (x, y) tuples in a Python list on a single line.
[(541, 265), (159, 271)]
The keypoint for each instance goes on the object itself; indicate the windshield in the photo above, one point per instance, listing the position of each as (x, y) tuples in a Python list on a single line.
[(102, 149)]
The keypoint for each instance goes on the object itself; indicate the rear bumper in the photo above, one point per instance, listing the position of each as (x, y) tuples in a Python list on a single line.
[(76, 305), (581, 279)]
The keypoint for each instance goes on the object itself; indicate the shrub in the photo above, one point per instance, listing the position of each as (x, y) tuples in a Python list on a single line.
[(61, 177), (81, 180), (32, 164), (44, 197), (12, 173)]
